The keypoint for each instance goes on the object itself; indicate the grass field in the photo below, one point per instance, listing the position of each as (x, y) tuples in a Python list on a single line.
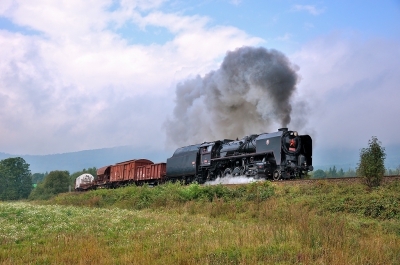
[(259, 223)]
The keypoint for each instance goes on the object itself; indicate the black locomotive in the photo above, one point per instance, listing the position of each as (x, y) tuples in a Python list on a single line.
[(280, 155)]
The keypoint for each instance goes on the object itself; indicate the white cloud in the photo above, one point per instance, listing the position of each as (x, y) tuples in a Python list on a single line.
[(309, 8), (235, 2), (285, 37), (174, 22), (77, 84), (351, 86)]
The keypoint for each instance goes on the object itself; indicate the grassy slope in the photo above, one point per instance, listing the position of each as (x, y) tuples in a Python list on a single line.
[(259, 223)]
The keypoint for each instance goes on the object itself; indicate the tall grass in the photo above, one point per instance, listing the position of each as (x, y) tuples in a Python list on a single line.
[(259, 223)]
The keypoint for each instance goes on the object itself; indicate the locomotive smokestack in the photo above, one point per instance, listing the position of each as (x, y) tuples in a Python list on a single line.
[(249, 93)]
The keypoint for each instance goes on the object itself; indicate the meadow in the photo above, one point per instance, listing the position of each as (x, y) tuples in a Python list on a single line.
[(257, 223)]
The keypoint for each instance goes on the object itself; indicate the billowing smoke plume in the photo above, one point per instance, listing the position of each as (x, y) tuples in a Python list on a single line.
[(249, 94)]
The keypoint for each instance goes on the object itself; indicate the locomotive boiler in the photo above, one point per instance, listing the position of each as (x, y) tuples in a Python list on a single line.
[(280, 155)]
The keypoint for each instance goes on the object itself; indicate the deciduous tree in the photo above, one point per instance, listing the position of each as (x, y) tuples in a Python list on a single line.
[(15, 179), (319, 174), (372, 163), (54, 183)]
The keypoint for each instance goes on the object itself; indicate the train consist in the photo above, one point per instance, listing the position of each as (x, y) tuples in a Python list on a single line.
[(280, 155)]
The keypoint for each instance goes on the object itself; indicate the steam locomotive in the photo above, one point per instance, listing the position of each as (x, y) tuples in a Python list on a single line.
[(280, 155)]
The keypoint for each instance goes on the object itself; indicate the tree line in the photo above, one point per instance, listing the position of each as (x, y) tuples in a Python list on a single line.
[(333, 173)]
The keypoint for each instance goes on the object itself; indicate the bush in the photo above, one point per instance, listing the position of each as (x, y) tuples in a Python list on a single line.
[(54, 183), (371, 166), (319, 174)]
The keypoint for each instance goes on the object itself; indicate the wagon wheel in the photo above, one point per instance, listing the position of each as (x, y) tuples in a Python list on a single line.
[(238, 171), (227, 172), (300, 175), (218, 174), (276, 175)]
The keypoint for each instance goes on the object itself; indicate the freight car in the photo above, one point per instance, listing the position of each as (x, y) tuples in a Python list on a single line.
[(137, 171), (279, 155), (84, 182)]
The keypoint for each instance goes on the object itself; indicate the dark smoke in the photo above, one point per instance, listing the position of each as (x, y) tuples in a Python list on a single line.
[(250, 93)]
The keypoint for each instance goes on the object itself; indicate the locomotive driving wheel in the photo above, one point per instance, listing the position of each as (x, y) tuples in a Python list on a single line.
[(227, 172), (277, 175), (216, 174), (238, 171)]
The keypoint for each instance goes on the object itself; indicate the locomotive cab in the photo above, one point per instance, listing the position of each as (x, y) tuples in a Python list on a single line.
[(205, 154)]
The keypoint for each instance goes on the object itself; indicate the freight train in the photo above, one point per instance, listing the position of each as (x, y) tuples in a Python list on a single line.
[(279, 155)]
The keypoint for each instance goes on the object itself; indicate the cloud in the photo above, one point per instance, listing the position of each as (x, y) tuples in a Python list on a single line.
[(285, 37), (309, 8), (78, 84), (235, 2), (351, 85)]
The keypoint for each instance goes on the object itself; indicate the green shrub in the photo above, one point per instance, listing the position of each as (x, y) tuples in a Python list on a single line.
[(55, 182), (372, 166)]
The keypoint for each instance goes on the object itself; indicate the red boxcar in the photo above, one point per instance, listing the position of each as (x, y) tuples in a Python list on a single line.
[(137, 171), (152, 172), (126, 171), (103, 175)]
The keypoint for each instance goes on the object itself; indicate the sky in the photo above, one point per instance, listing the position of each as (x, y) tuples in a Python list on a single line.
[(80, 75)]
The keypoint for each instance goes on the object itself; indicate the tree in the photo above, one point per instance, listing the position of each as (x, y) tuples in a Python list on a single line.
[(372, 166), (15, 179), (332, 172), (350, 173), (319, 174), (54, 183), (38, 177), (391, 172)]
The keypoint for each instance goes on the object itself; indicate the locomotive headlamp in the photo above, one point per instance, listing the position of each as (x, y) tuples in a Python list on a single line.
[(295, 134)]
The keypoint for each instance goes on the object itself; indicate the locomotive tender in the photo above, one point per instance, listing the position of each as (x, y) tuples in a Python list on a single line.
[(280, 155)]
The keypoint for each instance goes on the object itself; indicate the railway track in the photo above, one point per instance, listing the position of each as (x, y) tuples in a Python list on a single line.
[(330, 180), (333, 180)]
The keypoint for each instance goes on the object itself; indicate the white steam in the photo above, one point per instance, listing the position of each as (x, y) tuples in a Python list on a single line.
[(233, 180)]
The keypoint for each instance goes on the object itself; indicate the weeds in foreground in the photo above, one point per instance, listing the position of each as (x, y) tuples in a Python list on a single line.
[(200, 225)]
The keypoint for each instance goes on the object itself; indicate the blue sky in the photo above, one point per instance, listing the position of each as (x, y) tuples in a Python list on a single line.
[(77, 75), (287, 23)]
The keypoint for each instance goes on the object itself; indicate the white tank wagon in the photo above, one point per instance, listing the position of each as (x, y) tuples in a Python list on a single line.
[(84, 182)]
